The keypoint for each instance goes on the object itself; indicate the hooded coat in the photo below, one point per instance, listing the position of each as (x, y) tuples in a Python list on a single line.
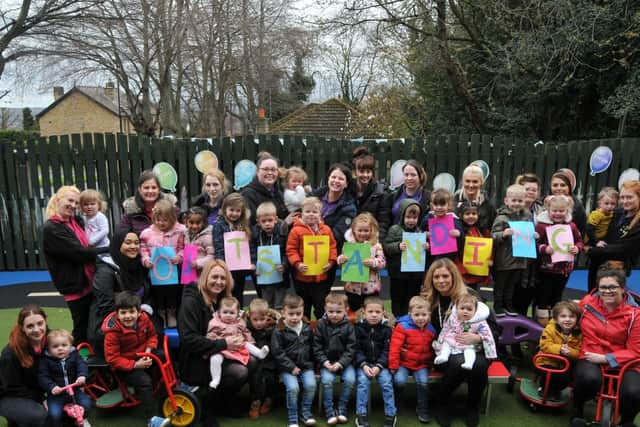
[(392, 242), (503, 258), (477, 324), (121, 343), (295, 248), (544, 260), (552, 340), (54, 372)]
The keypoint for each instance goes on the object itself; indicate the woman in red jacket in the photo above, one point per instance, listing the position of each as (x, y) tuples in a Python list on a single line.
[(612, 313)]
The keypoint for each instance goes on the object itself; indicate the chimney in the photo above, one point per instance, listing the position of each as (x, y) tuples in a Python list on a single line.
[(58, 91), (109, 89), (263, 123)]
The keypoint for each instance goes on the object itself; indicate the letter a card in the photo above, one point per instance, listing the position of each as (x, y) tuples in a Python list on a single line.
[(354, 270), (315, 253)]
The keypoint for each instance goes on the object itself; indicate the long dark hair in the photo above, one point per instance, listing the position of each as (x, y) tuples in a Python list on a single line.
[(18, 341)]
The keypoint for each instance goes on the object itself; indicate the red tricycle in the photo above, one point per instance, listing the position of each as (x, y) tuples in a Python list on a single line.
[(541, 398), (108, 390), (608, 406)]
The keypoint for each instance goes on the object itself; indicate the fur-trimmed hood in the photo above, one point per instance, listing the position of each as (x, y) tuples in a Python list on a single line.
[(543, 217), (131, 207)]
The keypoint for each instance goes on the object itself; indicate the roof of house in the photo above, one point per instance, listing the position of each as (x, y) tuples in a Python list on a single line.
[(96, 94), (332, 118)]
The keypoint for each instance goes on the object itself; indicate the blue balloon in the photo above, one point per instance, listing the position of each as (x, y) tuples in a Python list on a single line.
[(600, 160), (243, 173)]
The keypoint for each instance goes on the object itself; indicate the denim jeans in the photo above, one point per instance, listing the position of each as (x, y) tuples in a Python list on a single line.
[(421, 377), (327, 378), (56, 405), (292, 384), (362, 394)]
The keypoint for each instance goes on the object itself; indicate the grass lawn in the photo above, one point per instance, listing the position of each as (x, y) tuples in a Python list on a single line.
[(506, 409)]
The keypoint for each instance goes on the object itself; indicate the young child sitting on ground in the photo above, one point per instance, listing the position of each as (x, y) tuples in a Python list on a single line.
[(468, 315)]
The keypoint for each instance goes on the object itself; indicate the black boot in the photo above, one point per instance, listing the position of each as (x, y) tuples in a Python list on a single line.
[(443, 416), (422, 411)]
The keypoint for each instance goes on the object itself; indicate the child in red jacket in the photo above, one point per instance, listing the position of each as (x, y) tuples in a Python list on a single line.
[(127, 331), (410, 351)]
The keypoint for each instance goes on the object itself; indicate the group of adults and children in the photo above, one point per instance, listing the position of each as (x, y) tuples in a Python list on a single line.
[(438, 320)]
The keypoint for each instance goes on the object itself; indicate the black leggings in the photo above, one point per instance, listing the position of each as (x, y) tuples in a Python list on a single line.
[(587, 382), (454, 375), (234, 376), (550, 289)]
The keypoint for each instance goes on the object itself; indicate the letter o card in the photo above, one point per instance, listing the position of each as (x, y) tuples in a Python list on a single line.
[(315, 253), (477, 253)]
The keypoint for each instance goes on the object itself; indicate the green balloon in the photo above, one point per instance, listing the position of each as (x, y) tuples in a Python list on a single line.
[(166, 175)]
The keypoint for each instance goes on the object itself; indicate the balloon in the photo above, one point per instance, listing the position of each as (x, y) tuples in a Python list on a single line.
[(206, 161), (600, 159), (485, 168), (166, 175), (397, 176), (445, 181), (630, 174), (572, 177), (243, 173)]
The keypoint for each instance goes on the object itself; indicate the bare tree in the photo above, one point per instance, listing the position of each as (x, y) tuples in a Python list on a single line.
[(23, 24)]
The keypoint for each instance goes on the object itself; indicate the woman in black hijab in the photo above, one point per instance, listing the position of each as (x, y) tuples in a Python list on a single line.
[(123, 272)]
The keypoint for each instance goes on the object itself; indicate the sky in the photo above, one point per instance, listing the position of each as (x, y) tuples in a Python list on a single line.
[(29, 92)]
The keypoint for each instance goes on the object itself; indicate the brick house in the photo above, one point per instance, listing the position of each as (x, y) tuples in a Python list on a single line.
[(85, 109)]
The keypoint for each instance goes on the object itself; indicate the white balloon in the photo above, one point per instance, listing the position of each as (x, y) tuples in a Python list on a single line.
[(445, 181), (630, 174), (397, 176)]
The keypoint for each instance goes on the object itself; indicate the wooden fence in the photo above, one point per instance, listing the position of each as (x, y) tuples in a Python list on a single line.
[(30, 171)]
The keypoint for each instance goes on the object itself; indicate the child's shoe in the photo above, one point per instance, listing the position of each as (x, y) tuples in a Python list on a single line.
[(362, 421), (342, 417), (266, 406), (332, 420), (308, 420), (390, 421), (509, 311), (423, 415), (159, 422), (254, 410)]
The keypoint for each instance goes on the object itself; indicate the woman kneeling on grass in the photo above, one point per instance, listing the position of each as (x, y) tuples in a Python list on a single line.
[(21, 398)]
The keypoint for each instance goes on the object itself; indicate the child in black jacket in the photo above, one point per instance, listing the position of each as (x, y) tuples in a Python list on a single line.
[(291, 347), (371, 360), (62, 366), (333, 347)]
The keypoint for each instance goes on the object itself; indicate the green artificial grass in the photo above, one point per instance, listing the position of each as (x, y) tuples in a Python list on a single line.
[(506, 409)]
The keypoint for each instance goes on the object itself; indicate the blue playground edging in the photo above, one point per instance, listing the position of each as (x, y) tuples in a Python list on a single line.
[(577, 280)]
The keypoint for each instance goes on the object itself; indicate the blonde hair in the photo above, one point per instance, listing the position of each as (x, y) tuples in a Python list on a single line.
[(336, 298), (294, 171), (563, 200), (417, 302), (59, 333), (467, 299), (258, 306), (311, 201), (91, 195), (429, 292), (609, 192), (515, 189), (369, 219), (235, 200), (219, 175), (635, 187), (266, 209), (164, 209), (204, 275), (474, 170), (52, 205)]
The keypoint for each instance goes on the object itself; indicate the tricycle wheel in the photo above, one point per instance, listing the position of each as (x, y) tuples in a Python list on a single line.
[(187, 408), (606, 414)]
